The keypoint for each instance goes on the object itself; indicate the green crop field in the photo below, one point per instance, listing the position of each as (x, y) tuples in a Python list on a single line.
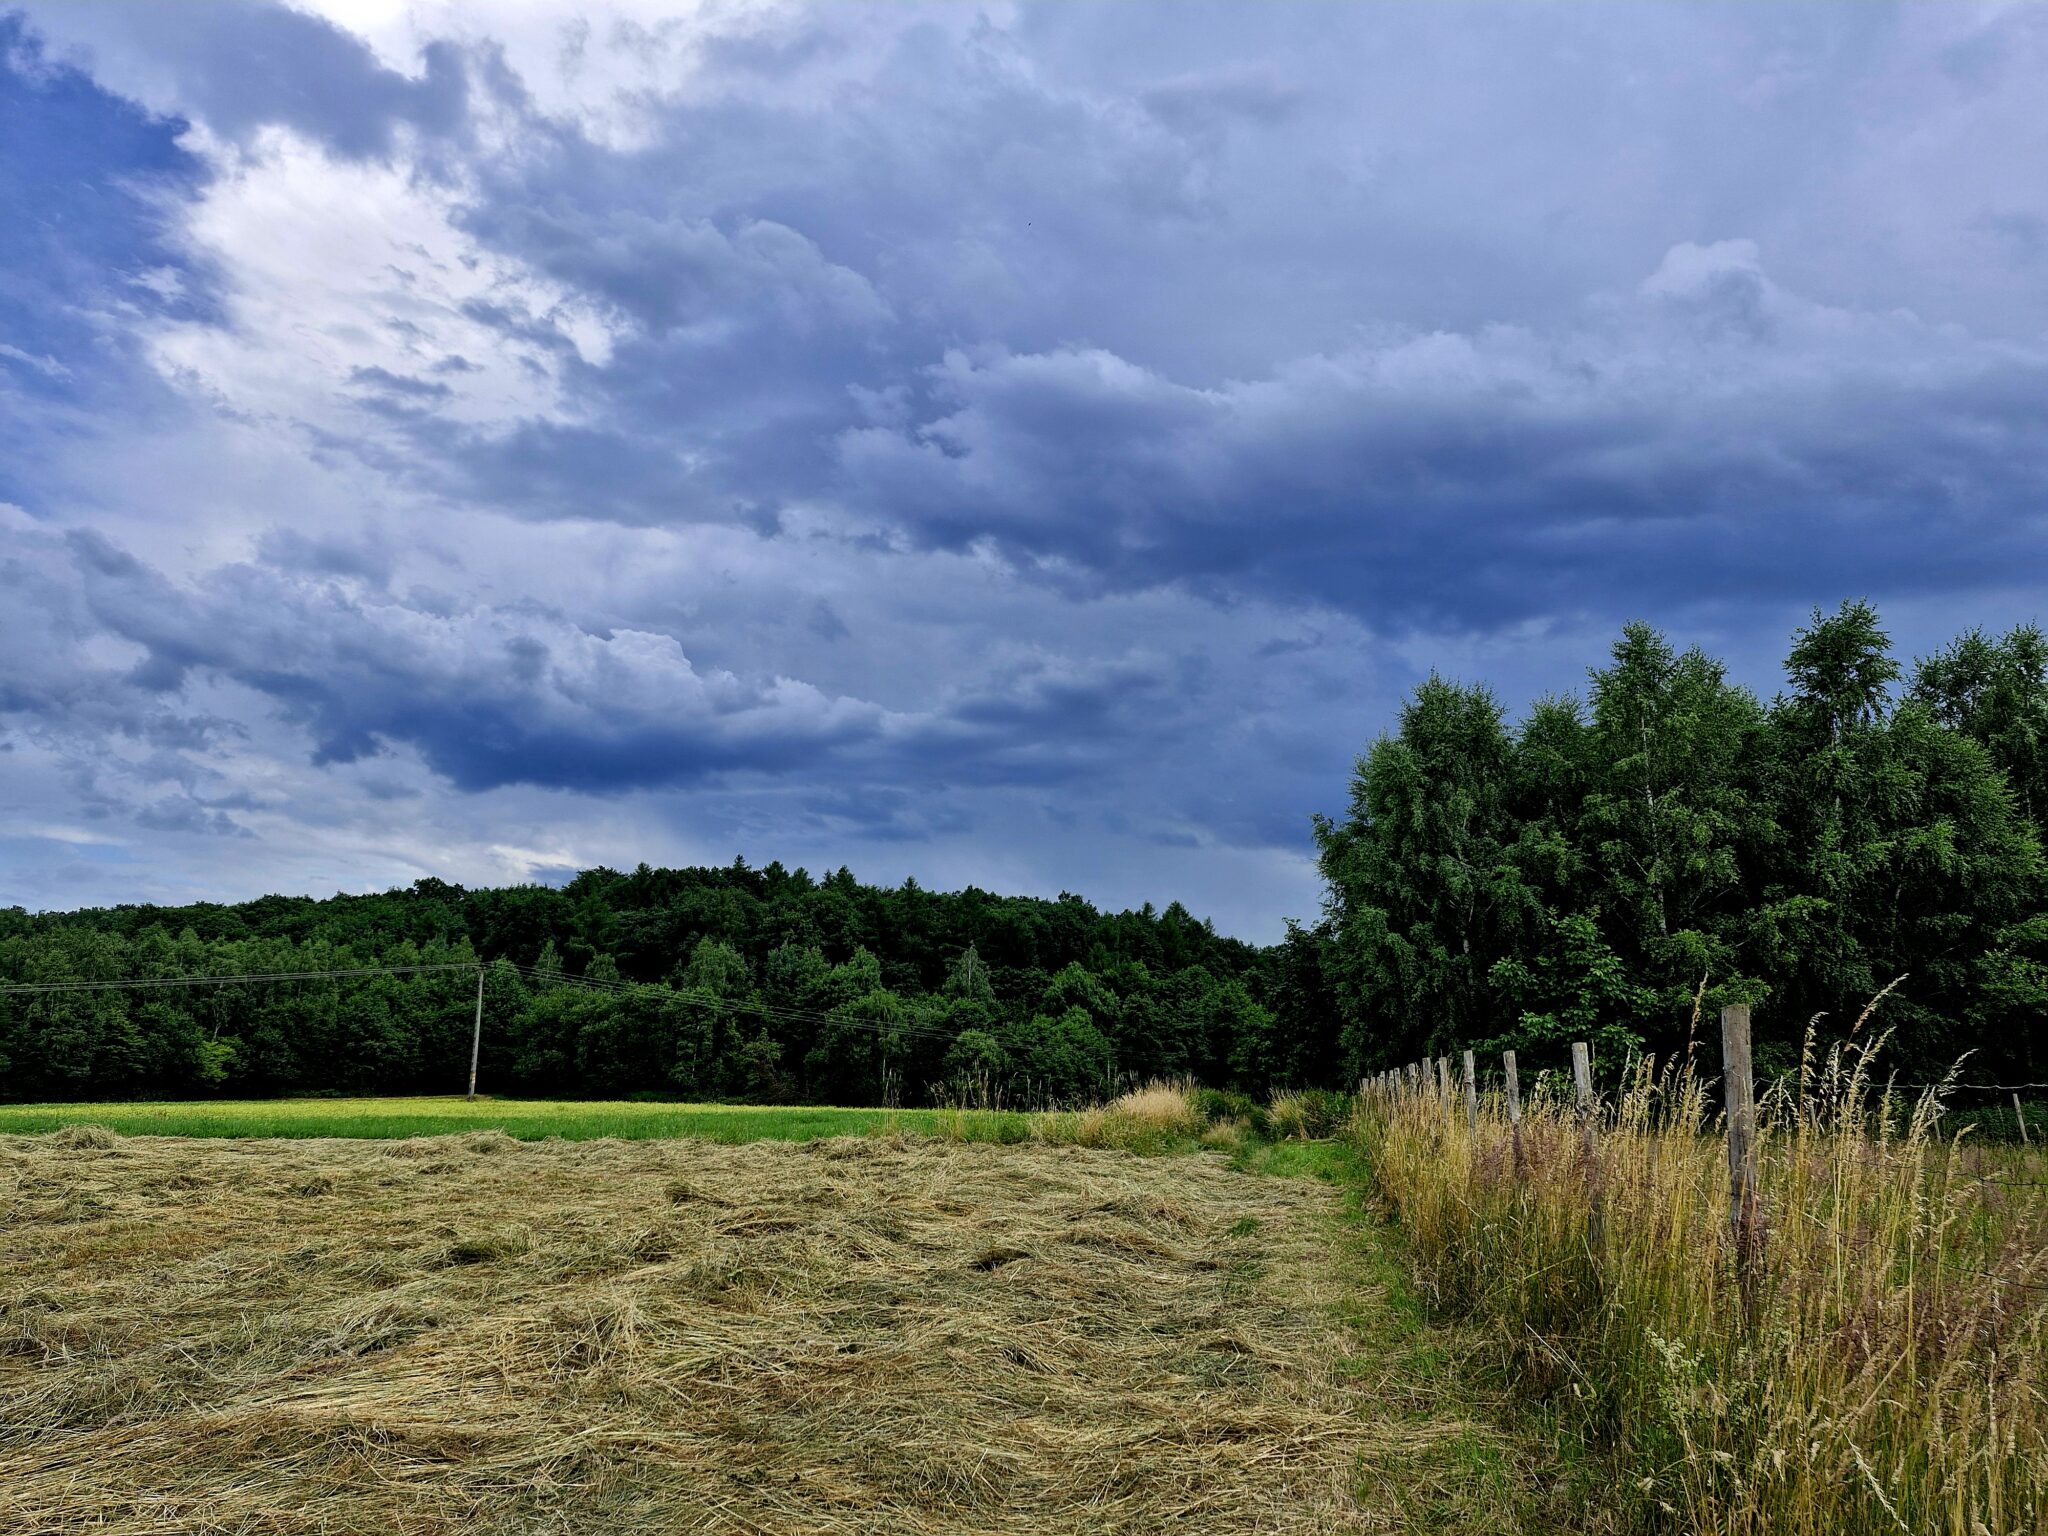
[(527, 1119)]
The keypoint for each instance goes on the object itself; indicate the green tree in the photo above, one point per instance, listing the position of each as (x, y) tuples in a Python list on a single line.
[(1903, 851), (1669, 823), (1994, 689), (1425, 893), (1063, 1060)]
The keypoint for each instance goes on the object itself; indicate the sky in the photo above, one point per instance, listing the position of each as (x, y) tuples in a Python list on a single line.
[(1029, 446)]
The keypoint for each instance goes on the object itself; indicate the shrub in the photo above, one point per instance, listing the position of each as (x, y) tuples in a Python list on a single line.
[(1998, 1122), (1309, 1114), (1220, 1106)]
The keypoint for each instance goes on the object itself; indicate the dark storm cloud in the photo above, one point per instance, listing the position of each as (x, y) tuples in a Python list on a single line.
[(89, 184), (1083, 419), (1708, 429), (487, 697), (862, 300), (499, 696), (795, 284)]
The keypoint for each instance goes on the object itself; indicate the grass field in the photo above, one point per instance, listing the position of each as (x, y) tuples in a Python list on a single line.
[(482, 1335), (526, 1119)]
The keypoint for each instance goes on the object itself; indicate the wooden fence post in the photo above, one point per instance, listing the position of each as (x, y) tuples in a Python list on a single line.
[(1582, 1082), (1471, 1096), (1507, 1060), (1739, 1094), (1443, 1080), (2019, 1113)]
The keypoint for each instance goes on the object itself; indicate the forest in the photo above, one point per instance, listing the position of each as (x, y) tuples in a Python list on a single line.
[(759, 984), (1611, 867)]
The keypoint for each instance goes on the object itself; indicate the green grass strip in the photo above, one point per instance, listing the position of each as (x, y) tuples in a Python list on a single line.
[(528, 1119)]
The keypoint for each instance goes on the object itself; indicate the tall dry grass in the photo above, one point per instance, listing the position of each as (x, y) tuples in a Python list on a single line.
[(1152, 1118), (1158, 1116), (1881, 1366)]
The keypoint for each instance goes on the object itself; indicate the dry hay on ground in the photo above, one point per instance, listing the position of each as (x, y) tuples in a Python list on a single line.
[(477, 1335)]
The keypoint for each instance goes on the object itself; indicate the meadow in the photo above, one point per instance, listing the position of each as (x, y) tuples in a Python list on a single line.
[(888, 1332), (1317, 1314)]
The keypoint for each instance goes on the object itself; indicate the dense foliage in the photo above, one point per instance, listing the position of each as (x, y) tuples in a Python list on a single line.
[(734, 982), (1670, 842), (1609, 869)]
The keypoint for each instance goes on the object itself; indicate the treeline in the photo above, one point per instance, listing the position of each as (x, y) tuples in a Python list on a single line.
[(1670, 841), (738, 983), (1607, 869)]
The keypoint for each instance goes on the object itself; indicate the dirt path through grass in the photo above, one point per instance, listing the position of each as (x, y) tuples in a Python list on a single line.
[(477, 1335)]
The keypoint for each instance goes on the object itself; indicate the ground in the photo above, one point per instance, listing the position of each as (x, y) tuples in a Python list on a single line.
[(850, 1335)]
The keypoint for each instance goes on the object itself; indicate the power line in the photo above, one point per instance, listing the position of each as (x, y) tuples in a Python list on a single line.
[(594, 983), (239, 979), (766, 1010)]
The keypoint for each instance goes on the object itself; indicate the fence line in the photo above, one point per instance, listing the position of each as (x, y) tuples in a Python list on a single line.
[(1430, 1078)]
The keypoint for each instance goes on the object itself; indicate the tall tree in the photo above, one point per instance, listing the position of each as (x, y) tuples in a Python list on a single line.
[(1669, 817), (1424, 891), (1994, 689)]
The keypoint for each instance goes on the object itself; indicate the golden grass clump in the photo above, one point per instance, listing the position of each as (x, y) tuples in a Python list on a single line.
[(1291, 1116), (853, 1336), (1307, 1114), (1147, 1119), (1881, 1366), (1166, 1105)]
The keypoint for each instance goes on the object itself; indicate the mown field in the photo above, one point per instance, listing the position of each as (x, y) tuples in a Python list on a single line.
[(886, 1333)]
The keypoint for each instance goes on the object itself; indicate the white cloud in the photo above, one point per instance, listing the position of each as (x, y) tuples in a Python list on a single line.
[(345, 278)]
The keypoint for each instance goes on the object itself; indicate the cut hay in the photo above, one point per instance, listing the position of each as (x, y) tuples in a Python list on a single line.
[(848, 1337), (83, 1138)]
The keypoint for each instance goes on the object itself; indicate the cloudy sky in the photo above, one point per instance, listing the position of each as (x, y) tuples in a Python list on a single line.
[(1034, 446)]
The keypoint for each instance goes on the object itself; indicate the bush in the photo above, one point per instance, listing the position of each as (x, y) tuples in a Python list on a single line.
[(1221, 1107), (1310, 1114)]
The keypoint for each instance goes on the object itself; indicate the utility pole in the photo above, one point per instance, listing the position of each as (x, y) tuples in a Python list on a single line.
[(476, 1038)]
